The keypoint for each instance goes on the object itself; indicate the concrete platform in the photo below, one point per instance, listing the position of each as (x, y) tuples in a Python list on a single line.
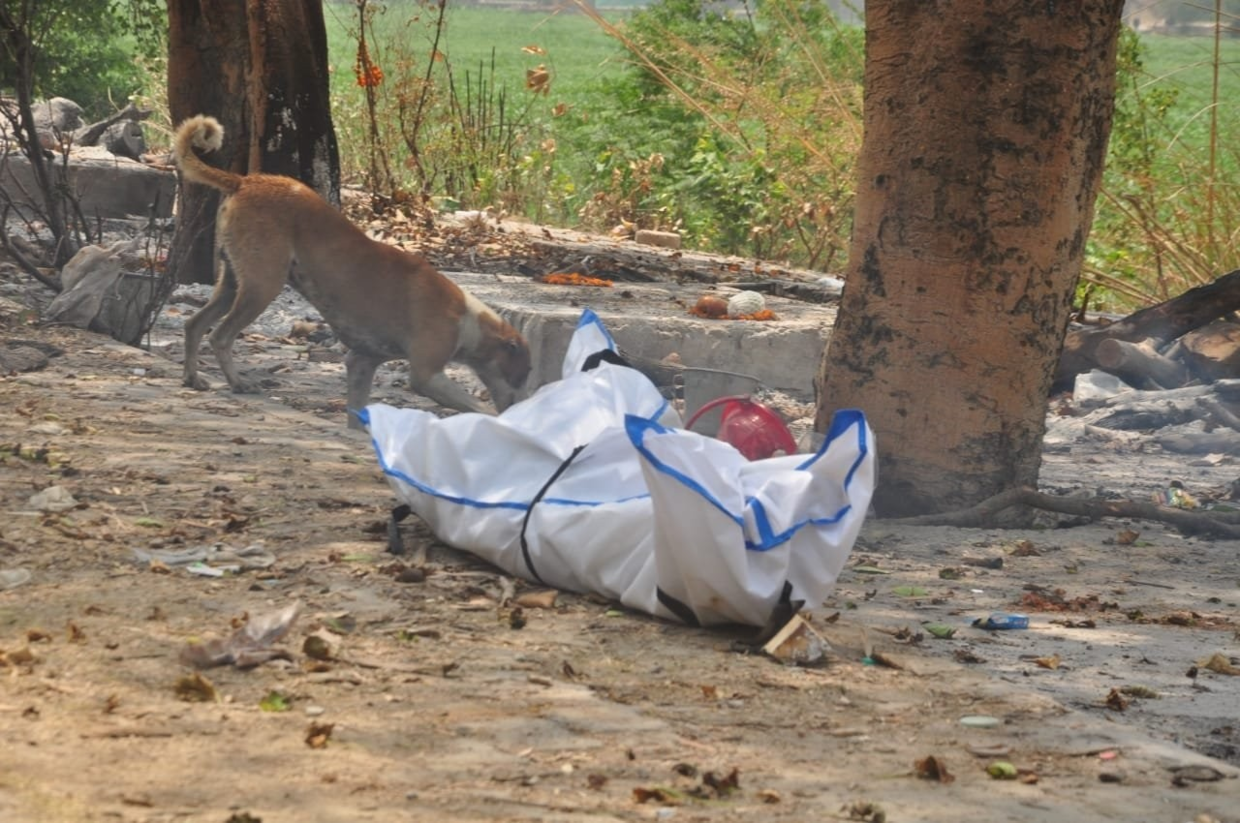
[(653, 321), (106, 186)]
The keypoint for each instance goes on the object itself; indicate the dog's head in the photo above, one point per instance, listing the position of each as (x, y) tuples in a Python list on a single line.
[(502, 361)]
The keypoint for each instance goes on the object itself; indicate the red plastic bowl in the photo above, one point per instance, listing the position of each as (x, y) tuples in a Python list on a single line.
[(750, 427)]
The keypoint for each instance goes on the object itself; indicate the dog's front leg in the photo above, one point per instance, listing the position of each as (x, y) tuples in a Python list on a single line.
[(447, 392), (360, 375)]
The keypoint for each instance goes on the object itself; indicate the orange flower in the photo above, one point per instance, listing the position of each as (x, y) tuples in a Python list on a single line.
[(573, 279), (368, 74)]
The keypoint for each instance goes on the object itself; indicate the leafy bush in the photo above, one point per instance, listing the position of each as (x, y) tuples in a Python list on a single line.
[(85, 50), (756, 118)]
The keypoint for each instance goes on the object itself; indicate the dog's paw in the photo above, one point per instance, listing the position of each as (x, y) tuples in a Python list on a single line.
[(197, 382)]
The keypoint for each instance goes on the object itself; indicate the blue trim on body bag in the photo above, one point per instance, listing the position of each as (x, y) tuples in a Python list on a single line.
[(637, 428), (387, 469), (451, 498), (588, 317)]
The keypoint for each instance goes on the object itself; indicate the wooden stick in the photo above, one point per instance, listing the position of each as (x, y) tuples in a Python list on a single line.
[(1141, 361)]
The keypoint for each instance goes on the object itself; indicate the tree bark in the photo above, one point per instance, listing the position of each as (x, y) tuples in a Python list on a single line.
[(986, 126), (260, 68)]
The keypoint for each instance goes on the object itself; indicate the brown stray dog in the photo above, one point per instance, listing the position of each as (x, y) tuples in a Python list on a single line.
[(383, 303)]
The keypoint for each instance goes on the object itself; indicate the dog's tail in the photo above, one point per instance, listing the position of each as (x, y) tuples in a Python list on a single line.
[(206, 133)]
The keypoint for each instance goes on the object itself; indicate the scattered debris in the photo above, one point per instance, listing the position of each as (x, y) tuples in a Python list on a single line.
[(1002, 621), (1185, 775), (318, 734), (745, 303), (194, 688), (214, 560), (1219, 664), (797, 643), (1001, 770), (572, 279), (544, 599), (248, 646), (933, 768), (12, 578), (53, 499)]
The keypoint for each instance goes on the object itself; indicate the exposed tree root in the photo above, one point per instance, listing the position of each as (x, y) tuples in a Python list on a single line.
[(1215, 524)]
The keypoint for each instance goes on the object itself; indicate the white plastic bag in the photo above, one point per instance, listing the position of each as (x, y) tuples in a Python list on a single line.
[(589, 485)]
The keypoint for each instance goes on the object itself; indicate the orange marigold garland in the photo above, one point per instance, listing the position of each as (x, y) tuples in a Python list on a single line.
[(765, 314), (711, 307), (572, 279)]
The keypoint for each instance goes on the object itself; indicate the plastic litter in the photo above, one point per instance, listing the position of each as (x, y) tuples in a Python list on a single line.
[(755, 431), (980, 721), (12, 578), (249, 645), (1002, 621), (52, 499), (215, 560)]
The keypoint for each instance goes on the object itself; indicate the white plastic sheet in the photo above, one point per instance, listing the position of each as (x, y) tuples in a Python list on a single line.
[(589, 485)]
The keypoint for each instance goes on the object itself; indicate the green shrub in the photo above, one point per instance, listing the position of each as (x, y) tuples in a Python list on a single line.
[(85, 50)]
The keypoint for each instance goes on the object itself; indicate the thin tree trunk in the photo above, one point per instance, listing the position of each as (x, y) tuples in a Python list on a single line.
[(986, 125), (17, 22)]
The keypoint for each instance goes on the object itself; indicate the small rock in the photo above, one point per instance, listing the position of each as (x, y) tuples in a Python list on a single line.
[(53, 499), (663, 239)]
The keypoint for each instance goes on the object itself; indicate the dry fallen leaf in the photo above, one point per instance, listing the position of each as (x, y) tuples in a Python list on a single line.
[(1051, 662), (659, 794), (1127, 537), (1116, 701), (538, 80), (933, 768), (538, 600), (1025, 548), (1219, 664), (318, 734), (319, 646), (723, 786), (194, 688)]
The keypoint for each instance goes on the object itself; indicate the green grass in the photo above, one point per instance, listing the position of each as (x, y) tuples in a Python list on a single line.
[(493, 46), (576, 51), (1185, 66), (1164, 224)]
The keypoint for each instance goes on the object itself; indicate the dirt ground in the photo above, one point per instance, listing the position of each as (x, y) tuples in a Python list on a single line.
[(437, 702)]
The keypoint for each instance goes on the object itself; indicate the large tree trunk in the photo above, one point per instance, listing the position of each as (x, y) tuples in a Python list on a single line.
[(986, 126), (260, 68)]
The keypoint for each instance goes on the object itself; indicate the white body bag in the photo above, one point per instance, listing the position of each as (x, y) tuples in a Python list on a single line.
[(589, 486)]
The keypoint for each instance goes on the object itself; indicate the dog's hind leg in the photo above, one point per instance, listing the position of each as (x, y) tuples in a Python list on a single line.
[(219, 304), (360, 374), (260, 276)]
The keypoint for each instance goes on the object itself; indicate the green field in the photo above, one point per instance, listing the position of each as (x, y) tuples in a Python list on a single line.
[(494, 142), (576, 51), (1185, 65), (579, 56)]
